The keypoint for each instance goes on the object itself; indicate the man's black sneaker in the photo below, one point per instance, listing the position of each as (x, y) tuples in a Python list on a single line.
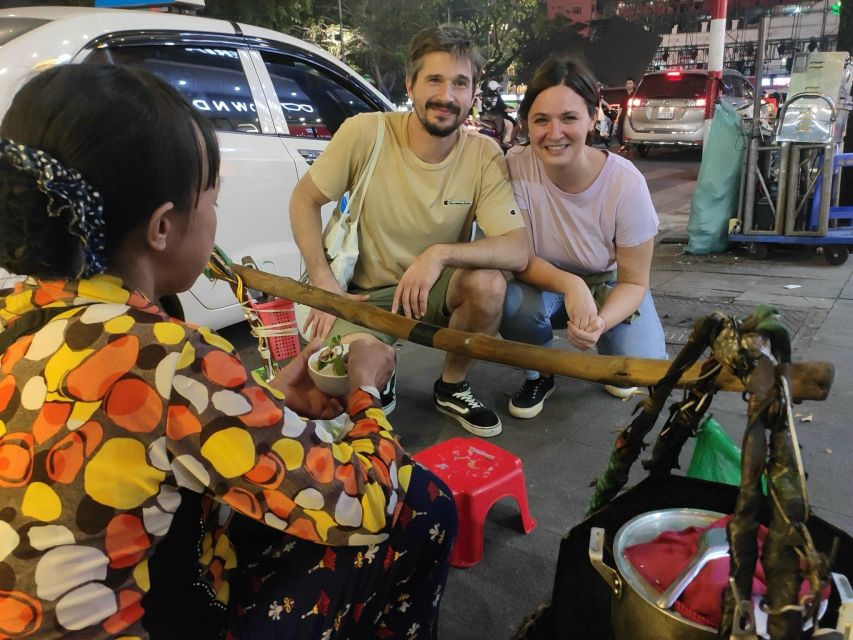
[(459, 403), (388, 395), (531, 396)]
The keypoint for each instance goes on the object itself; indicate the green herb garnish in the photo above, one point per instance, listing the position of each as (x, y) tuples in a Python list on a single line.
[(333, 355)]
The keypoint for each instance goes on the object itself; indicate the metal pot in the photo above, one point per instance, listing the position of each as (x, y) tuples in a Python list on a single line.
[(634, 612), (639, 612)]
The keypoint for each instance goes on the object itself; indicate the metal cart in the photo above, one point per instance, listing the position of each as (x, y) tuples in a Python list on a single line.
[(790, 186)]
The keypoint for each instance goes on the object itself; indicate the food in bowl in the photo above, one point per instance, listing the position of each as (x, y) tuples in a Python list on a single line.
[(328, 368)]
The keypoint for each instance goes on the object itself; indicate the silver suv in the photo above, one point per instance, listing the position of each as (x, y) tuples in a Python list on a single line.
[(668, 107)]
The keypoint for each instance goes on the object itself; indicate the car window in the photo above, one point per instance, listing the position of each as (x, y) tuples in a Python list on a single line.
[(211, 79), (315, 103), (746, 88), (680, 86), (11, 28)]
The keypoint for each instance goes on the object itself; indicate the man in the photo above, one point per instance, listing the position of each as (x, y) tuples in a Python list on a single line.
[(623, 111), (431, 180)]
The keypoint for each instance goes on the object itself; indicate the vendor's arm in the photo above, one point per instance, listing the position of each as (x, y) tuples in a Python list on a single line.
[(632, 265), (236, 440)]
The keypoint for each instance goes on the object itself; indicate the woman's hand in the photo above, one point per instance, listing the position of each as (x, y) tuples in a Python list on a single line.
[(300, 392), (586, 339), (580, 305), (369, 363)]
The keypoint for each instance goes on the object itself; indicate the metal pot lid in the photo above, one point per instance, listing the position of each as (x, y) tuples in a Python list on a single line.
[(645, 528), (648, 526)]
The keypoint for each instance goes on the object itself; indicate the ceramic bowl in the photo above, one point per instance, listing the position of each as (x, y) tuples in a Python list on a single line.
[(326, 379)]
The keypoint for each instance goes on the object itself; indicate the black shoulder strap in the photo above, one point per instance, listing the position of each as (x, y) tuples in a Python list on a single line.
[(28, 323)]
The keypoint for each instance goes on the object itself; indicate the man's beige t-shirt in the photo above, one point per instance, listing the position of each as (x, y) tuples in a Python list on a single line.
[(410, 204)]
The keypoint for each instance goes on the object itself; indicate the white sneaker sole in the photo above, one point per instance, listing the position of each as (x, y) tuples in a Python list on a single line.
[(483, 432), (620, 392), (530, 412)]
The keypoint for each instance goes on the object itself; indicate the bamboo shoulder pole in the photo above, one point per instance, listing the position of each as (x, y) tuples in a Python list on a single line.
[(810, 380)]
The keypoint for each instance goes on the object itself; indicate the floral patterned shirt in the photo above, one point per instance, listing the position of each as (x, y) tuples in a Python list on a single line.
[(110, 412)]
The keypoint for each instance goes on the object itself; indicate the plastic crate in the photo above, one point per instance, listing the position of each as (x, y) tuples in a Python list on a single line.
[(278, 314)]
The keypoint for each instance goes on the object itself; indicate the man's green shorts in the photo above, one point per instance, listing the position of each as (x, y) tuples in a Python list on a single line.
[(382, 297)]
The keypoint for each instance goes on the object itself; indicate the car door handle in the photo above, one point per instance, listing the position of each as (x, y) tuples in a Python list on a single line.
[(310, 155)]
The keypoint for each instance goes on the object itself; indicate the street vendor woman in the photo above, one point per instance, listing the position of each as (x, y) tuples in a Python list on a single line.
[(591, 227), (128, 437)]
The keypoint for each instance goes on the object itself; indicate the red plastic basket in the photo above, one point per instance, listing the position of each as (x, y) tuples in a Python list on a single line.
[(280, 314)]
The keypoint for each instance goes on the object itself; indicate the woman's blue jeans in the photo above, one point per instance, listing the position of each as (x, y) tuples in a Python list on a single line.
[(530, 315)]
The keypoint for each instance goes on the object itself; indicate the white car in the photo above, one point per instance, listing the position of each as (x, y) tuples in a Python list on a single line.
[(275, 102)]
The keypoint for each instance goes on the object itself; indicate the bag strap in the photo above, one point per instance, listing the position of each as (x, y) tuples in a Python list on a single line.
[(467, 228), (360, 188), (29, 323)]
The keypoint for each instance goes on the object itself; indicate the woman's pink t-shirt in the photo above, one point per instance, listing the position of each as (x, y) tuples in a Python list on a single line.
[(579, 232)]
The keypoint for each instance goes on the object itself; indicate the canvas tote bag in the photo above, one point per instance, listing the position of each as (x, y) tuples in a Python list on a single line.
[(340, 238)]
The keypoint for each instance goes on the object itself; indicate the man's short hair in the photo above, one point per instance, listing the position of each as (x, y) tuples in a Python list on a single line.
[(449, 38)]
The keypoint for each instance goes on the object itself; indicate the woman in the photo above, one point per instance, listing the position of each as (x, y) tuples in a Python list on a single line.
[(591, 226), (130, 438)]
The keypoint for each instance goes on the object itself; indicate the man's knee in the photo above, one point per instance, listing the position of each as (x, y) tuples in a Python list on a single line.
[(482, 290)]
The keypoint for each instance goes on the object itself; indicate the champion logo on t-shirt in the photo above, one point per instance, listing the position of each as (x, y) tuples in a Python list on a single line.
[(463, 203)]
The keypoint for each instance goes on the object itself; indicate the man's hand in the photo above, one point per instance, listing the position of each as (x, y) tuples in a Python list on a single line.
[(369, 362), (586, 339), (300, 392), (415, 285), (318, 324), (579, 303)]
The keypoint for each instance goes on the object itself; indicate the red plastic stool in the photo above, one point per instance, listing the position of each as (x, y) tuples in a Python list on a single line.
[(479, 474)]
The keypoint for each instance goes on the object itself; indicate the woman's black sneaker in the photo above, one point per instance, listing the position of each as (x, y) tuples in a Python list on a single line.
[(528, 401), (459, 403)]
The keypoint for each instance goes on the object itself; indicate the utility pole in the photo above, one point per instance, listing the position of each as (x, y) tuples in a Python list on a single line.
[(716, 50), (341, 53)]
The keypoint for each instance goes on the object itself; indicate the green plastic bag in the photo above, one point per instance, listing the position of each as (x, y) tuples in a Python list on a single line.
[(715, 198), (715, 457)]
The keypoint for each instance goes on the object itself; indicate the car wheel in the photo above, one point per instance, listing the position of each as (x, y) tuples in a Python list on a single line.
[(757, 250), (835, 254), (643, 150)]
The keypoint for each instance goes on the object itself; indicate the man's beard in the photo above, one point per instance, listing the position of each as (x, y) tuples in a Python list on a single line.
[(440, 131)]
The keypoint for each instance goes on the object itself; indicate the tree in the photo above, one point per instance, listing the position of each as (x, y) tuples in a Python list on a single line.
[(279, 15), (381, 30), (543, 38), (495, 25)]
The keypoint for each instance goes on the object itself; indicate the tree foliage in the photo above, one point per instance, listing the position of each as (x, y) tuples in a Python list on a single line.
[(381, 30), (497, 27), (515, 36), (279, 15), (543, 38)]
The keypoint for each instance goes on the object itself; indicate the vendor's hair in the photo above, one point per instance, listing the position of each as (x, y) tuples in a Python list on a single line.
[(449, 38), (570, 72), (130, 135)]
